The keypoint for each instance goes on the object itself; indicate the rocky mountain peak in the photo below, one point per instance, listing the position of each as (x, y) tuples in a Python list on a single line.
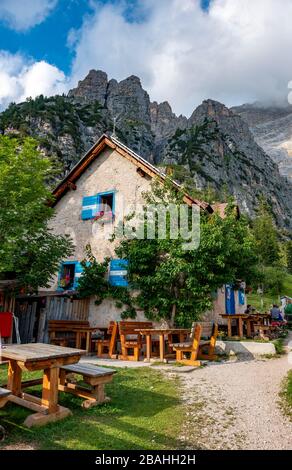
[(69, 126), (212, 109), (92, 88)]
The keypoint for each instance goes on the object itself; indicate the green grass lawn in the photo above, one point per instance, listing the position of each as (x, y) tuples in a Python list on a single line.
[(286, 395), (289, 390), (145, 413), (255, 299)]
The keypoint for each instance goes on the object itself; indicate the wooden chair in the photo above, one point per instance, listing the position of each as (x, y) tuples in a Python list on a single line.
[(131, 340), (107, 347), (95, 379), (191, 347), (63, 332), (207, 346)]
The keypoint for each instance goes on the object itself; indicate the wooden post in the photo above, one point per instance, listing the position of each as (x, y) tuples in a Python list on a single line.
[(248, 328), (50, 389), (88, 341), (229, 326), (161, 346), (148, 347), (14, 378), (240, 327)]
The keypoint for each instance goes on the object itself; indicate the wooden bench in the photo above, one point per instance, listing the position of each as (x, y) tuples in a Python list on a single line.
[(95, 377), (62, 332), (106, 347), (131, 340), (4, 395), (208, 342), (191, 347)]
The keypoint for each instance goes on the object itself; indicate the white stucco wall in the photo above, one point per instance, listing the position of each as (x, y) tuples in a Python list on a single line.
[(110, 171)]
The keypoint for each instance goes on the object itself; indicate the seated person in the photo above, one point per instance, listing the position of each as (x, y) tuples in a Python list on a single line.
[(276, 313), (249, 309)]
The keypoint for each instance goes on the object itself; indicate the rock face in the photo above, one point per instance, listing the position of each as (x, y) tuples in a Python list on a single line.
[(237, 162), (92, 88), (67, 126), (272, 130)]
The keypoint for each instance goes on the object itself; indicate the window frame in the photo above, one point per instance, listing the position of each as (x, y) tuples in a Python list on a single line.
[(64, 263)]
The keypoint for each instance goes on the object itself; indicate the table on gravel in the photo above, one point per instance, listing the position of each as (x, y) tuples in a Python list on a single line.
[(248, 319), (161, 332), (33, 357)]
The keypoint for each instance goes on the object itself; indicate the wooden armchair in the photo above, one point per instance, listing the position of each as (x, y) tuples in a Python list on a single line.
[(191, 347), (107, 347), (207, 347), (131, 340)]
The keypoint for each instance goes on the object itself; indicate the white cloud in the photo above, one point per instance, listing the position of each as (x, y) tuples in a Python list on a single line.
[(23, 14), (241, 50), (21, 78)]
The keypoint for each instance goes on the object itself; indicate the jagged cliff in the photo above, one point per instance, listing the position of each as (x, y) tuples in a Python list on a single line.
[(272, 130), (67, 126)]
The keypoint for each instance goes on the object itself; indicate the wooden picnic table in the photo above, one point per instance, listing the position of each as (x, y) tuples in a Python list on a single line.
[(248, 318), (88, 332), (161, 332), (32, 357)]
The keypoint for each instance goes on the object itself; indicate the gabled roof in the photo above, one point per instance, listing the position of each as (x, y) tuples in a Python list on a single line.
[(113, 143)]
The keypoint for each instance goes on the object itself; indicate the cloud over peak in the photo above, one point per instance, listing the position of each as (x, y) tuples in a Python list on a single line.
[(21, 15)]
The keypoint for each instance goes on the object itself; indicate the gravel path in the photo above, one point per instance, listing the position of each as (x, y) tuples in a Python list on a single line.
[(235, 405)]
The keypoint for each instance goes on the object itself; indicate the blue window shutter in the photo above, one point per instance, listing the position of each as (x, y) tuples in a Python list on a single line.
[(78, 274), (241, 297), (229, 300), (118, 272), (89, 207)]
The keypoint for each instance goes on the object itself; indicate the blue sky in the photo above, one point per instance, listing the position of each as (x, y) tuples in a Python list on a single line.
[(48, 40), (184, 51)]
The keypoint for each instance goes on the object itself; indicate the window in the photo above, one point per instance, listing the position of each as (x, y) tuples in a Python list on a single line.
[(101, 206), (106, 202), (69, 275)]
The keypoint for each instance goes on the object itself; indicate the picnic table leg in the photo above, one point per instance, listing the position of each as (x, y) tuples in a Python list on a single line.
[(50, 389), (14, 378), (229, 327), (78, 339), (88, 342), (248, 328), (49, 401), (148, 347), (240, 328), (161, 347)]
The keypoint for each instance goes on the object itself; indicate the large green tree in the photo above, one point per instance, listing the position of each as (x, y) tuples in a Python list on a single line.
[(177, 284), (27, 246), (266, 236)]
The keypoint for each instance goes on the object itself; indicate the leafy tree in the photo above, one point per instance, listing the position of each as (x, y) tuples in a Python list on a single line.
[(266, 236), (273, 280), (94, 282), (177, 284), (289, 256), (27, 246)]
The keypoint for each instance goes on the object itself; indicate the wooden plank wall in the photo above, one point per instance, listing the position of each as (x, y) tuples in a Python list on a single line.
[(33, 317), (61, 308)]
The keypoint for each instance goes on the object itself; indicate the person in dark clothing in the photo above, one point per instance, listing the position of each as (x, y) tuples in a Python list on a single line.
[(276, 313)]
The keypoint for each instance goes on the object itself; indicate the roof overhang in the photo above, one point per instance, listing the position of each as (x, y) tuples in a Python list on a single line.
[(69, 182)]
